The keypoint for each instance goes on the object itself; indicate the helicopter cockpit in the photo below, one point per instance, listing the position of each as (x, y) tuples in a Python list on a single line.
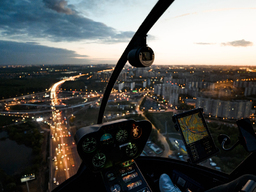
[(111, 151)]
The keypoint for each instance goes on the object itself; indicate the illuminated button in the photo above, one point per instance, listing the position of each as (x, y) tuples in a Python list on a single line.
[(144, 190), (122, 171), (130, 177), (110, 176), (115, 188), (134, 185)]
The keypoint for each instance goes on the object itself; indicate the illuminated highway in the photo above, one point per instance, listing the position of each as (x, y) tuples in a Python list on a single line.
[(64, 158)]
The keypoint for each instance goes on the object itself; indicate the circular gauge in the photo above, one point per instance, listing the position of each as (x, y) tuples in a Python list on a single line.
[(106, 139), (131, 149), (99, 160), (121, 135), (115, 188), (89, 144), (136, 131)]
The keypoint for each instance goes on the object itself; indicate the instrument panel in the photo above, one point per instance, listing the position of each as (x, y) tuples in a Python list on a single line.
[(104, 145)]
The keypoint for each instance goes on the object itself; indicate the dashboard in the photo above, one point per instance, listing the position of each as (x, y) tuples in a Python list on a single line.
[(119, 142)]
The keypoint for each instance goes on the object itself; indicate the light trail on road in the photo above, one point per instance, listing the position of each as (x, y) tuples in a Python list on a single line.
[(59, 133)]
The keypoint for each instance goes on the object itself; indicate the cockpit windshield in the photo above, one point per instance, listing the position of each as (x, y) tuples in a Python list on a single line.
[(57, 59), (160, 92)]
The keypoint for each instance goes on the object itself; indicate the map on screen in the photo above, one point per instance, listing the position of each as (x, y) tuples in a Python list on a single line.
[(192, 128)]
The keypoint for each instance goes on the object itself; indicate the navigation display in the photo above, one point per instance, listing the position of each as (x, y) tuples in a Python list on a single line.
[(192, 128), (196, 136)]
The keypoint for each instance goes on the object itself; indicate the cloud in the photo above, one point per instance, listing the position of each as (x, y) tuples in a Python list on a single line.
[(213, 10), (59, 6), (228, 9), (238, 43), (32, 53), (201, 43), (186, 14), (52, 20)]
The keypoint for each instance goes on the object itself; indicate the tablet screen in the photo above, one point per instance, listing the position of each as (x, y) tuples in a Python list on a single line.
[(195, 134)]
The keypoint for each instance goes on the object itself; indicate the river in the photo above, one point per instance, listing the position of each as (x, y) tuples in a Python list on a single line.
[(14, 157)]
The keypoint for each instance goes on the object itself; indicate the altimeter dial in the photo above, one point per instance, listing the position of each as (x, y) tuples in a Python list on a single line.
[(89, 144)]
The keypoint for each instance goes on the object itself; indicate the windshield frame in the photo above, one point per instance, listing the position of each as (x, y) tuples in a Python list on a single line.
[(137, 40)]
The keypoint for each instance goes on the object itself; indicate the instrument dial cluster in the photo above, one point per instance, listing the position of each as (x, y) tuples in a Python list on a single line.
[(104, 145)]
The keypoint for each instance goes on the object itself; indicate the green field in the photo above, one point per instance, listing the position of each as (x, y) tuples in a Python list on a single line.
[(161, 121)]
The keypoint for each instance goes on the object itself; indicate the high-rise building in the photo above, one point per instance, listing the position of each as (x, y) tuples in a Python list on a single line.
[(120, 86), (158, 89), (132, 85), (148, 82), (250, 91), (168, 79), (171, 93), (144, 83), (225, 109)]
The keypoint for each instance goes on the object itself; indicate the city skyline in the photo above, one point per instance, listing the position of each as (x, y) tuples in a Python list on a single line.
[(86, 32)]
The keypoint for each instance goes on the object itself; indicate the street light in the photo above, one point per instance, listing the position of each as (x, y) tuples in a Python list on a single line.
[(27, 178)]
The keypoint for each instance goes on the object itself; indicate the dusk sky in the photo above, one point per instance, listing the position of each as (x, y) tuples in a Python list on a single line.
[(221, 32)]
